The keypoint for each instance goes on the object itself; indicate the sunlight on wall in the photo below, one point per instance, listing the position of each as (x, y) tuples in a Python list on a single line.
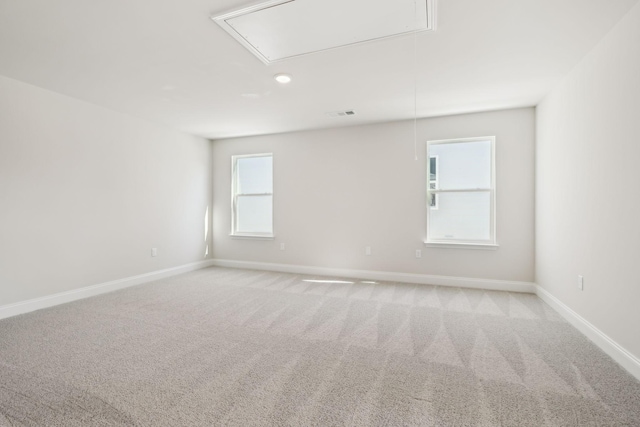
[(206, 232)]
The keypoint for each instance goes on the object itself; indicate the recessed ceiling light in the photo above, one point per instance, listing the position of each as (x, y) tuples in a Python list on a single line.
[(282, 78)]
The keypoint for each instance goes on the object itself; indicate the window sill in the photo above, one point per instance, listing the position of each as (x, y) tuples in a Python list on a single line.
[(451, 245), (253, 236)]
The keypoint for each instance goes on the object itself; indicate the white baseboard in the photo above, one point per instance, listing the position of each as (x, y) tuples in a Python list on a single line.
[(463, 282), (606, 344), (102, 288)]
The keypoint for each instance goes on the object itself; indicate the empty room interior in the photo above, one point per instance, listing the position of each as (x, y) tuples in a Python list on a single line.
[(319, 213)]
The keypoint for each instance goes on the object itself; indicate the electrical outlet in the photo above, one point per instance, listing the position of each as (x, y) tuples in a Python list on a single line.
[(282, 246), (418, 253), (154, 251), (367, 250)]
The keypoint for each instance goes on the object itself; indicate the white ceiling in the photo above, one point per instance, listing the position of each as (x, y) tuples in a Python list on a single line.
[(166, 61)]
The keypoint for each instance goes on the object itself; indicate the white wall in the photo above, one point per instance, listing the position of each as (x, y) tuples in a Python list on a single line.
[(339, 190), (587, 194), (86, 192)]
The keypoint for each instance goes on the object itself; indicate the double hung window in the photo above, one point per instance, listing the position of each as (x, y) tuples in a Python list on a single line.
[(461, 193), (252, 195)]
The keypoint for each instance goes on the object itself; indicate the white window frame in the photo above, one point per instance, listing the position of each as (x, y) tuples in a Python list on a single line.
[(235, 194), (492, 243)]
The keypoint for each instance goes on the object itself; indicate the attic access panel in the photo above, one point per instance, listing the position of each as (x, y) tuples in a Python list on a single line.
[(280, 29)]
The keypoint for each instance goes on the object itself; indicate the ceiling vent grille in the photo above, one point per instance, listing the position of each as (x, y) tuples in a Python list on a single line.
[(282, 29), (341, 113)]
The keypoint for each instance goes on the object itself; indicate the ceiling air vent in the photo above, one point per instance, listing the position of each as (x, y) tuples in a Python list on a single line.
[(281, 29), (341, 113)]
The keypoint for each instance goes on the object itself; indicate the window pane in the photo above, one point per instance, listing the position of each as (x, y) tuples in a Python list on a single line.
[(463, 165), (255, 175), (461, 216), (254, 214), (433, 169)]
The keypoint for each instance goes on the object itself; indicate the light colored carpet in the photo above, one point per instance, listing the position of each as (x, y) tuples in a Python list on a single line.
[(249, 348)]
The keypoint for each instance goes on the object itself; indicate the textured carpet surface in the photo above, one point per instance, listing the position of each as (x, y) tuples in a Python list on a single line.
[(249, 348)]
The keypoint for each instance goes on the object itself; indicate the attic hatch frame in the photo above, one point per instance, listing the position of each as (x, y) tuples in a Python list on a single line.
[(222, 19)]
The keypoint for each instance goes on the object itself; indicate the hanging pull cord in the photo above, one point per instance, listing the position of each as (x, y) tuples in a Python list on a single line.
[(415, 80)]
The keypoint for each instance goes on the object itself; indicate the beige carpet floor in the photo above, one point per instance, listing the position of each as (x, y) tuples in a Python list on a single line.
[(225, 347)]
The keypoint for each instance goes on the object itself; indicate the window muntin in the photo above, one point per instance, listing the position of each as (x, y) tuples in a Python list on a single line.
[(461, 192), (252, 195)]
